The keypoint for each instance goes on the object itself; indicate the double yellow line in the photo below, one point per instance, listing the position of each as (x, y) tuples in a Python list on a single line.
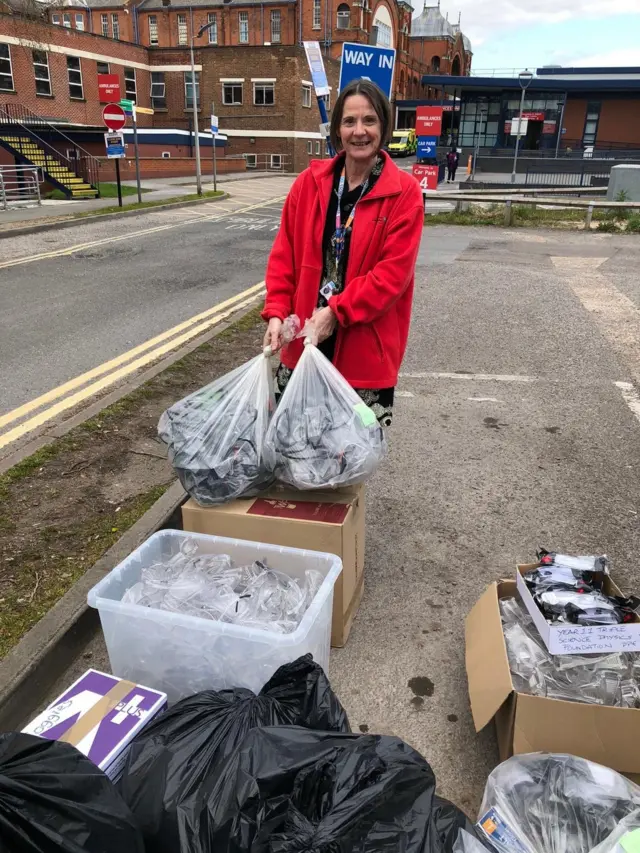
[(116, 369)]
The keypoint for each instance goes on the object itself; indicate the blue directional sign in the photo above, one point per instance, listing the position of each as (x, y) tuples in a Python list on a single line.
[(371, 63), (427, 146)]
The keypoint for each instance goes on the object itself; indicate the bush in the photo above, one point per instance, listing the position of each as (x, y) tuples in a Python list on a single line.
[(633, 223), (609, 226)]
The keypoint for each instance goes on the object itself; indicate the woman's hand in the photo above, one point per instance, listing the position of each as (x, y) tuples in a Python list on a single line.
[(272, 335), (324, 322)]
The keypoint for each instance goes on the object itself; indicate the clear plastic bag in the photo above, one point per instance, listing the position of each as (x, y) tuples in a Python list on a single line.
[(215, 436), (545, 803), (322, 434)]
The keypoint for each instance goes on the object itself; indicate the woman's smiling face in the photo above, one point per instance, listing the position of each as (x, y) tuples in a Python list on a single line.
[(360, 129)]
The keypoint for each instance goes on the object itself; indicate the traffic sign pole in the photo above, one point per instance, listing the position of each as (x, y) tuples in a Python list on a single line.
[(214, 133), (119, 183), (137, 153)]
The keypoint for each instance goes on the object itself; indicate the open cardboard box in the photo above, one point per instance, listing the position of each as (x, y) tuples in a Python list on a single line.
[(563, 639), (608, 736)]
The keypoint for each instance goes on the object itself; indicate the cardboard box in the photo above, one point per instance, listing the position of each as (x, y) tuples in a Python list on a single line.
[(331, 521), (563, 639), (100, 715), (608, 736)]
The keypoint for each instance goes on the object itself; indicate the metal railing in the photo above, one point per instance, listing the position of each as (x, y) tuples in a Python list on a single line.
[(19, 185), (82, 164), (583, 177)]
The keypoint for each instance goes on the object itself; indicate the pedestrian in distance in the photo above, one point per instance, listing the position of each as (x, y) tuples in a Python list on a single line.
[(453, 158), (344, 256)]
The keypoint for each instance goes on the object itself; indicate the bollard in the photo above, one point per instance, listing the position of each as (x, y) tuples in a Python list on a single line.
[(508, 214), (588, 218)]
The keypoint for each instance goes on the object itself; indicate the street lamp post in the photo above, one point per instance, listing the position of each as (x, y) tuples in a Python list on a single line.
[(194, 104), (525, 78)]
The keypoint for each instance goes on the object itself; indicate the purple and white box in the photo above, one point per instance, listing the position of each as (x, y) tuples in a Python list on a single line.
[(100, 715)]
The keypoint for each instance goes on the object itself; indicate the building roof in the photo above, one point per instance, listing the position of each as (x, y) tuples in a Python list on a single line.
[(608, 80), (99, 4), (431, 23)]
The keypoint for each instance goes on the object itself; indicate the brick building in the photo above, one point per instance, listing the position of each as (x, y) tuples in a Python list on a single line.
[(250, 67)]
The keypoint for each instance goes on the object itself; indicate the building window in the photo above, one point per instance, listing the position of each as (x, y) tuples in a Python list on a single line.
[(591, 123), (80, 22), (344, 17), (276, 37), (316, 14), (130, 84), (102, 67), (318, 148), (182, 29), (66, 20), (276, 161), (6, 74), (383, 32), (74, 73), (188, 94), (306, 96), (104, 24), (115, 25), (153, 29), (251, 160), (232, 94), (212, 20), (158, 91), (309, 147), (243, 27), (435, 64), (41, 72), (55, 19), (264, 94)]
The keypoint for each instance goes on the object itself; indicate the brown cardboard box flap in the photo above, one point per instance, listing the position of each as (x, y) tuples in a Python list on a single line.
[(81, 728), (488, 671), (606, 735)]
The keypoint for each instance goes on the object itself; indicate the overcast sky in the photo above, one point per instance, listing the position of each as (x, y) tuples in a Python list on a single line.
[(531, 33)]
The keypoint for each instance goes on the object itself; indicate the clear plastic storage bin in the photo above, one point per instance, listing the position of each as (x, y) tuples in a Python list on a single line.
[(181, 654)]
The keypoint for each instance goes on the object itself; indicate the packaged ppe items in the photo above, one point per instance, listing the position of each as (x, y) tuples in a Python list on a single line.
[(54, 800), (322, 435), (288, 789), (569, 589), (215, 435), (546, 803), (178, 758), (611, 678)]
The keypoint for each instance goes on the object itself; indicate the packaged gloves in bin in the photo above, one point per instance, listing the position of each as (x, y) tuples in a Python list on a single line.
[(570, 589), (322, 435), (211, 586), (599, 679), (545, 803), (215, 436), (54, 800)]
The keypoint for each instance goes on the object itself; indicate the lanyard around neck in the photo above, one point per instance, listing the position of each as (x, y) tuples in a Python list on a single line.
[(347, 224)]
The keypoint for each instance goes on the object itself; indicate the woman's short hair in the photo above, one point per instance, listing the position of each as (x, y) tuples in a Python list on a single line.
[(378, 101)]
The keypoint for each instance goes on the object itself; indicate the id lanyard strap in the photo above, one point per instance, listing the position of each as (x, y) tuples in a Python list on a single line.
[(340, 229)]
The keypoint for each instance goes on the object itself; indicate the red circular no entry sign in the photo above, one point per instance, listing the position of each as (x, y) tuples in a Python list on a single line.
[(114, 117)]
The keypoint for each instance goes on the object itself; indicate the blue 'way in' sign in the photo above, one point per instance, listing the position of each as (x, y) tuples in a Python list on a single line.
[(361, 57)]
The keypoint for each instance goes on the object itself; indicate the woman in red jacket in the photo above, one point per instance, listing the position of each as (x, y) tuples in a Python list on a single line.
[(345, 253)]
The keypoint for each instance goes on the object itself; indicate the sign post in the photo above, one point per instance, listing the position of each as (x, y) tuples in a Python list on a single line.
[(214, 134), (137, 153), (114, 118), (114, 143), (320, 85)]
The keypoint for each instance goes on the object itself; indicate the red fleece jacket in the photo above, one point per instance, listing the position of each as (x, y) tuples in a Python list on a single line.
[(374, 309)]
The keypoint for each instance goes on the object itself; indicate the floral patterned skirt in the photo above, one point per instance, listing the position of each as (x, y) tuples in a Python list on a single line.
[(380, 400)]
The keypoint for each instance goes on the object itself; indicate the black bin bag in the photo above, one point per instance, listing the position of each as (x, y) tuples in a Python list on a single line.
[(177, 758), (292, 790), (54, 800)]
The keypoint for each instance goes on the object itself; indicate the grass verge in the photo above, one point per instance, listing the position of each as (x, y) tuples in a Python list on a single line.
[(106, 191), (64, 506), (527, 216)]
